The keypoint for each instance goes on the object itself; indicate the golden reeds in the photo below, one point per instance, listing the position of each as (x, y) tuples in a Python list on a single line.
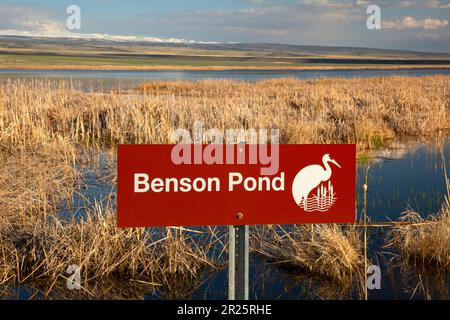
[(362, 111), (329, 251), (424, 242), (38, 248)]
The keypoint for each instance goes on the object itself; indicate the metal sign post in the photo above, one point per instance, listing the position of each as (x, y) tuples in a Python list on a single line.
[(238, 263)]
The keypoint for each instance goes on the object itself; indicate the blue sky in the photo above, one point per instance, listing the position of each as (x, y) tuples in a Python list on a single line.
[(407, 24)]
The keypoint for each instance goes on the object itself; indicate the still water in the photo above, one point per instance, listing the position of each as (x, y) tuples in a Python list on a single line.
[(404, 176), (94, 80)]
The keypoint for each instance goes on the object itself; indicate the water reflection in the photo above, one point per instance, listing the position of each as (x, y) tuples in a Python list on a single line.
[(405, 176)]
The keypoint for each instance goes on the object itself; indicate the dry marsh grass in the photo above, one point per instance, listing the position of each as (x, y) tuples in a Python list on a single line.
[(38, 248), (424, 242), (329, 251), (35, 181), (362, 111)]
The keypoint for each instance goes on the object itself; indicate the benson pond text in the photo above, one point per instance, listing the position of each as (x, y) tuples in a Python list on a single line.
[(144, 183)]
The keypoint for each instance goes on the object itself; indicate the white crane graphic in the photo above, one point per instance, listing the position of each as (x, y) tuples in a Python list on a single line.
[(310, 177)]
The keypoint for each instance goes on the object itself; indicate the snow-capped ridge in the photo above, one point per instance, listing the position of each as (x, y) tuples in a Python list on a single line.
[(98, 36)]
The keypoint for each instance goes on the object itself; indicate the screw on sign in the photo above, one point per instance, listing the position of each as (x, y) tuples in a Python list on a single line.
[(311, 184)]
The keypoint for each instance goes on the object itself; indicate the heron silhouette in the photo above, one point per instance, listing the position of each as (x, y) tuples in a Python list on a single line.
[(310, 177)]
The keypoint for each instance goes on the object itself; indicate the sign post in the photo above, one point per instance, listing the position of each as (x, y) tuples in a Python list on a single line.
[(238, 266)]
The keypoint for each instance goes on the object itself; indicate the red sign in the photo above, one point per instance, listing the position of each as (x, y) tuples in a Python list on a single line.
[(162, 185)]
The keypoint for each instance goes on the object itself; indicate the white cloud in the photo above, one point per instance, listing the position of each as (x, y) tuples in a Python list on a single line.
[(47, 26), (331, 4), (28, 19), (28, 22), (254, 1), (434, 4), (413, 23)]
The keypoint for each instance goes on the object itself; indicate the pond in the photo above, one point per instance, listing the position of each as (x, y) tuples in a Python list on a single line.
[(95, 80)]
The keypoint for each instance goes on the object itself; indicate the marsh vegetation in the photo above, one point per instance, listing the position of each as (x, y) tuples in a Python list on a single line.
[(51, 134)]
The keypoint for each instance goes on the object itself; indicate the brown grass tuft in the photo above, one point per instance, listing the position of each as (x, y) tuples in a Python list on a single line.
[(38, 248), (425, 242), (324, 250)]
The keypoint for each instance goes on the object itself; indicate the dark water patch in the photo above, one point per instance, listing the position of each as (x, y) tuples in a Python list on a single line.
[(405, 176), (97, 188)]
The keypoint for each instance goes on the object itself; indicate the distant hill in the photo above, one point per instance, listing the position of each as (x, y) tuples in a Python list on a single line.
[(23, 51)]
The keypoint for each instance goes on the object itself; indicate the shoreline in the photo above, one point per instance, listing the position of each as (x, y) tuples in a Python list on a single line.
[(217, 68)]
